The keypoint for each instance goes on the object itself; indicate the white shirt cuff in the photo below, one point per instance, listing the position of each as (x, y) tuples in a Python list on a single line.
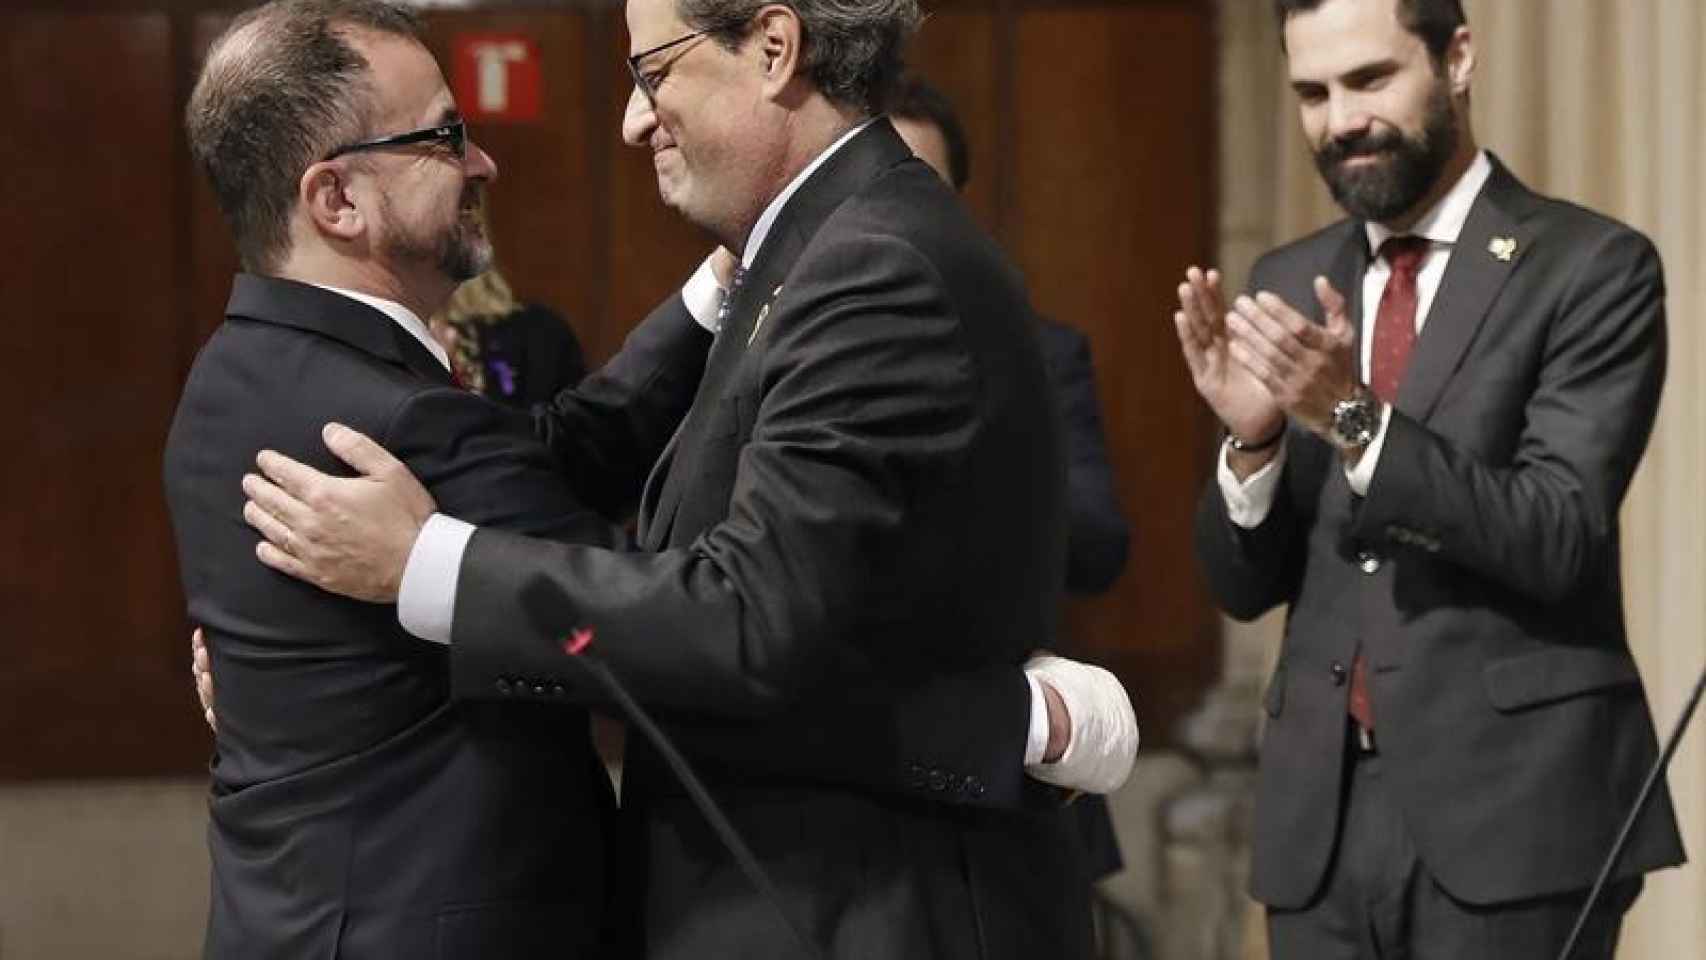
[(426, 601), (1361, 475), (703, 296), (1036, 740), (1103, 747), (1249, 500)]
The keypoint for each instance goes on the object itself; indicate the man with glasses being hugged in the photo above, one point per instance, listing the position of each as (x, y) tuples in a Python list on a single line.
[(853, 542), (356, 811)]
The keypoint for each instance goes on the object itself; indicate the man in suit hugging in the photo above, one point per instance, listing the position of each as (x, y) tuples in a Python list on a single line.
[(829, 623)]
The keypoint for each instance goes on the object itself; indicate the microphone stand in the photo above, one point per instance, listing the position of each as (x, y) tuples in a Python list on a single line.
[(543, 600), (1653, 778)]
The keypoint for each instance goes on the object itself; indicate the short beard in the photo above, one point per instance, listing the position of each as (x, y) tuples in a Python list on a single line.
[(1391, 188), (460, 253), (466, 252)]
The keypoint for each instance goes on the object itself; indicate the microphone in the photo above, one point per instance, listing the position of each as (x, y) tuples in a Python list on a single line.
[(1653, 777), (543, 602)]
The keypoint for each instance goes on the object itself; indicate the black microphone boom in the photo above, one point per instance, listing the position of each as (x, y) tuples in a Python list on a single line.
[(1653, 778), (545, 603)]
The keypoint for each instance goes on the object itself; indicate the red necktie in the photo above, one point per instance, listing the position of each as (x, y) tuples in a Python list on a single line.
[(1394, 336), (1395, 323)]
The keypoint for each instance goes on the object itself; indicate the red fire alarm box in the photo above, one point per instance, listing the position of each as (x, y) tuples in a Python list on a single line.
[(496, 78)]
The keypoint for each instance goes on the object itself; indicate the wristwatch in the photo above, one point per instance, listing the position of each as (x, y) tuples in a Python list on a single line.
[(1355, 420)]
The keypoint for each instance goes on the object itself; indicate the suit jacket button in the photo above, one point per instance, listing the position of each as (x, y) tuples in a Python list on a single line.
[(938, 781), (539, 689), (557, 690), (503, 685), (1368, 562), (1338, 671), (971, 787)]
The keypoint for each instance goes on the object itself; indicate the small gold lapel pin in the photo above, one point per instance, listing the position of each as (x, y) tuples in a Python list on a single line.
[(1502, 248), (763, 314)]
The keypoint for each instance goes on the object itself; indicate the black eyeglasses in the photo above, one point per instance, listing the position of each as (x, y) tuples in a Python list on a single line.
[(453, 134), (644, 82)]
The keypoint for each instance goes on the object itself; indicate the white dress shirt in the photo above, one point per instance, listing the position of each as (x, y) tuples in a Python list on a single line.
[(426, 605), (403, 315), (1248, 502)]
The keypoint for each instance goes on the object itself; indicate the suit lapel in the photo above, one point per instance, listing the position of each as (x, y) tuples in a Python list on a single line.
[(858, 162), (653, 527), (1349, 265), (1473, 278), (304, 306)]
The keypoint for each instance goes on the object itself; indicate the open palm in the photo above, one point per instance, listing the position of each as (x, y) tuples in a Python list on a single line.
[(1241, 402)]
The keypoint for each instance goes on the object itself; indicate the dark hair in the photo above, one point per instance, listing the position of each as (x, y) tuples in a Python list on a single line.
[(1434, 21), (281, 88), (852, 49), (917, 100)]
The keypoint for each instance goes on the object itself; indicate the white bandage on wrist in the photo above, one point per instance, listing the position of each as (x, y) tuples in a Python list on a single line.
[(1104, 729)]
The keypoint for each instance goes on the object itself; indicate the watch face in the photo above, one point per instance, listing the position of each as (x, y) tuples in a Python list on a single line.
[(1354, 421)]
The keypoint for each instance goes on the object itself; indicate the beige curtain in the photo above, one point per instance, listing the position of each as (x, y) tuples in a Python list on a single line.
[(1602, 102)]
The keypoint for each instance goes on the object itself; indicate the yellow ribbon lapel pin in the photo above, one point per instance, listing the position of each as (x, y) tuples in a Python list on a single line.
[(763, 314)]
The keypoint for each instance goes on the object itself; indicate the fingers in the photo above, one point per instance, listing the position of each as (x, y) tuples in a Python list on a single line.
[(1192, 342), (1258, 366), (204, 691), (1333, 307), (354, 448), (1260, 335), (203, 675), (1198, 321), (294, 478), (278, 548), (1205, 290), (272, 511), (277, 559)]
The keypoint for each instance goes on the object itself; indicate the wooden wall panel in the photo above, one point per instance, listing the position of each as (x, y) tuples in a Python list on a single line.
[(956, 52), (1113, 175), (96, 674), (546, 203), (213, 255), (1092, 136)]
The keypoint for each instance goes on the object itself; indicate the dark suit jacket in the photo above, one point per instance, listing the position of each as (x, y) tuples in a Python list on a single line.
[(1480, 575), (356, 811), (1097, 533), (527, 356), (824, 543)]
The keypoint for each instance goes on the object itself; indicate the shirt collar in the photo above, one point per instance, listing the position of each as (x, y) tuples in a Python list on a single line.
[(1444, 222), (767, 219), (403, 315)]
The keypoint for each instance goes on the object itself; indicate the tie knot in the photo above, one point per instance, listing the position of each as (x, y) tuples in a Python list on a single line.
[(729, 296), (1404, 253)]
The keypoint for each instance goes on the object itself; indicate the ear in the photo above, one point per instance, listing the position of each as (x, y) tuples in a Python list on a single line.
[(324, 193), (778, 34), (1460, 61)]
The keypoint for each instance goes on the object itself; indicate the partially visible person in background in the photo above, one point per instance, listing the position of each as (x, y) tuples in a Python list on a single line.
[(1098, 535), (514, 352)]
